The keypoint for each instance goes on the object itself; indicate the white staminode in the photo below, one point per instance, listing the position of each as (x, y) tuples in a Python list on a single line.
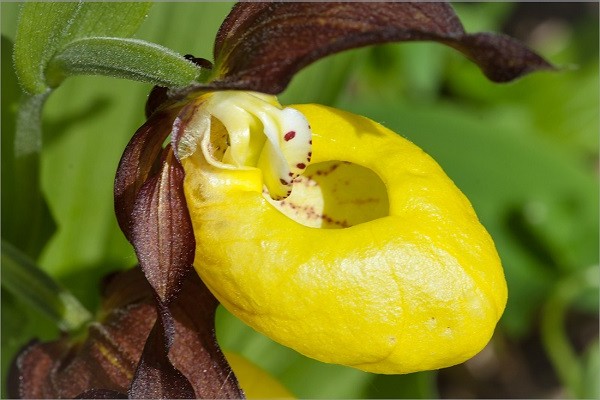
[(260, 133)]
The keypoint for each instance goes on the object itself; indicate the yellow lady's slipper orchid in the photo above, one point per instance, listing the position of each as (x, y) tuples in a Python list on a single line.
[(374, 259)]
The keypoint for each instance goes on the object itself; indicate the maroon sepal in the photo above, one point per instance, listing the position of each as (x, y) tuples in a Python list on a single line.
[(152, 212), (103, 363), (261, 46), (162, 233), (101, 394), (155, 376), (139, 161)]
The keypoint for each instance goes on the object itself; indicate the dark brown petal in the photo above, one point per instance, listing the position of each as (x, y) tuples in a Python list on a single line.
[(101, 394), (164, 242), (260, 46), (162, 232), (30, 374), (106, 359), (195, 351), (104, 363), (156, 377), (500, 57), (152, 212), (138, 163)]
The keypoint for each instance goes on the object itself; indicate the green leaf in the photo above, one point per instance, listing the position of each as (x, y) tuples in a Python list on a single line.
[(122, 58), (41, 31), (567, 364), (28, 283), (591, 389), (418, 385), (26, 219), (45, 27), (119, 19)]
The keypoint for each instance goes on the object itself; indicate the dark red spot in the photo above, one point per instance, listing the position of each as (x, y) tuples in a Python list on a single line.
[(290, 174), (310, 141), (310, 153), (300, 165), (283, 181), (289, 136)]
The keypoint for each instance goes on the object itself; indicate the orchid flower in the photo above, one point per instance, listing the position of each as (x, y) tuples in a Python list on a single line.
[(322, 229), (374, 259)]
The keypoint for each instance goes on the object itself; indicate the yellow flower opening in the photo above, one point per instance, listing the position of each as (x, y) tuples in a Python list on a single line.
[(409, 281), (251, 130)]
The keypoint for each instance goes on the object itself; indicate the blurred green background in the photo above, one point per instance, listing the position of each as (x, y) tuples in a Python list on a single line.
[(525, 153)]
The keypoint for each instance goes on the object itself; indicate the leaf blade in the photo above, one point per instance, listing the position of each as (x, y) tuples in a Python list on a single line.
[(120, 19), (30, 284), (45, 27), (122, 58), (26, 219), (38, 38)]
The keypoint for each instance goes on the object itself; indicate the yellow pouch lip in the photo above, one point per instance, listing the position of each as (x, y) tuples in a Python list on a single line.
[(359, 140)]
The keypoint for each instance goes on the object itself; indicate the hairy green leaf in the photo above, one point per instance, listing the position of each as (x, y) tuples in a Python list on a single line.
[(26, 219), (45, 27), (122, 58)]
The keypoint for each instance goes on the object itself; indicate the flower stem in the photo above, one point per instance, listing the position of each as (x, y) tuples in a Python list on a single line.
[(26, 281), (555, 340)]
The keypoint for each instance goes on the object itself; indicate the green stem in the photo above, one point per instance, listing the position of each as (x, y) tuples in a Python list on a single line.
[(555, 340), (28, 137), (26, 219), (26, 281)]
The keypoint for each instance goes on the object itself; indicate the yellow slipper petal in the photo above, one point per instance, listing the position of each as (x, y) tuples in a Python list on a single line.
[(410, 281)]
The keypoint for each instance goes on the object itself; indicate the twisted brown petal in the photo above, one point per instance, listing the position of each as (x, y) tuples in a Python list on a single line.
[(162, 230), (138, 162), (161, 233), (105, 360), (155, 376), (103, 364)]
